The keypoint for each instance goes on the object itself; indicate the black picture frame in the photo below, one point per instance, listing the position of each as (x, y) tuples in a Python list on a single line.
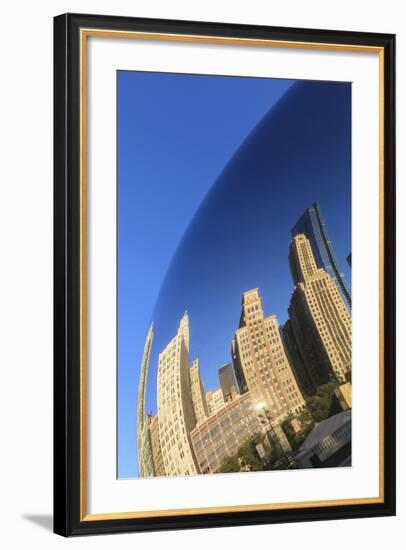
[(67, 353)]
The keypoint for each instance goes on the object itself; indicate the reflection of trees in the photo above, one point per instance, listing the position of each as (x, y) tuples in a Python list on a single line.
[(247, 458), (324, 403), (320, 406), (306, 425)]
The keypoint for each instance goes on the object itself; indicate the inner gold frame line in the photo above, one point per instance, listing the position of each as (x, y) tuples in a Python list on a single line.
[(85, 33)]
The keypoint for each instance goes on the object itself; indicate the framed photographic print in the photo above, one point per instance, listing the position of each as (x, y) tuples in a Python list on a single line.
[(224, 274)]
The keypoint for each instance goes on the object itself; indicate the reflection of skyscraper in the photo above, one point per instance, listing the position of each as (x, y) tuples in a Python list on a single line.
[(296, 360), (239, 373), (320, 319), (176, 417), (227, 382), (313, 226), (198, 394), (159, 469), (260, 352), (145, 462), (215, 401)]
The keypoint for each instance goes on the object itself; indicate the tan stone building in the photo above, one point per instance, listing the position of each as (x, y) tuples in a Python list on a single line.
[(159, 468), (261, 361), (176, 416), (144, 450), (344, 395), (215, 401), (198, 393), (224, 432), (321, 321)]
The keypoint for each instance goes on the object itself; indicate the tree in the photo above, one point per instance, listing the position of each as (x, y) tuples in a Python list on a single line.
[(297, 438), (324, 403), (229, 464), (247, 455)]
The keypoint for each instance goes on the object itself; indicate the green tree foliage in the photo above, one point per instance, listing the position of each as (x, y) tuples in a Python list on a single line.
[(230, 464), (324, 403), (320, 406), (246, 457), (297, 438)]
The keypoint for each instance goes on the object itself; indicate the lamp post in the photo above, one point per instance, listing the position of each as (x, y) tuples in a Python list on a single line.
[(264, 412)]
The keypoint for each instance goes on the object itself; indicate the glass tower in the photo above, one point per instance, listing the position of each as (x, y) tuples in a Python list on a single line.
[(227, 382), (312, 225)]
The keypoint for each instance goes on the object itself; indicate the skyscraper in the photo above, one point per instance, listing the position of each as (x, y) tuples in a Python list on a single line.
[(227, 382), (296, 360), (198, 393), (176, 416), (320, 319), (312, 225), (145, 462), (260, 354), (215, 401), (238, 370), (159, 469)]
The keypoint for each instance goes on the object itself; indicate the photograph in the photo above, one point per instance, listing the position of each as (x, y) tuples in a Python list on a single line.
[(234, 233)]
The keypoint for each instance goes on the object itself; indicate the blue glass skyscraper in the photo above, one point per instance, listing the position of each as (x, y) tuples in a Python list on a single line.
[(312, 225)]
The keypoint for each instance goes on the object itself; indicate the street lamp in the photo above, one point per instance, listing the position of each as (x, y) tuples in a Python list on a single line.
[(264, 412)]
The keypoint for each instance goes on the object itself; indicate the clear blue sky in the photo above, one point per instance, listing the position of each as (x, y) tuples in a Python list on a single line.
[(196, 229)]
